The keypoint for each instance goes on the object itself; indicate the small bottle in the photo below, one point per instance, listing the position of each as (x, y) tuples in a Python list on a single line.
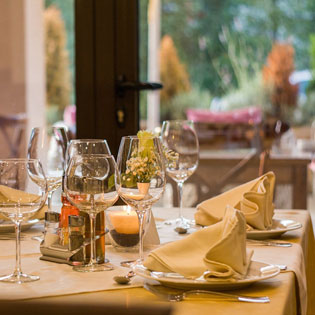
[(52, 231), (66, 210), (76, 232)]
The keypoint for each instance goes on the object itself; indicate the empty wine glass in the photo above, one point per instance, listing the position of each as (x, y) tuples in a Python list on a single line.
[(87, 146), (179, 139), (48, 144), (90, 186), (141, 179), (25, 191)]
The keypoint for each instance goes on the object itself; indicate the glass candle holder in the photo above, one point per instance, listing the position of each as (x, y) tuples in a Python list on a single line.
[(123, 227)]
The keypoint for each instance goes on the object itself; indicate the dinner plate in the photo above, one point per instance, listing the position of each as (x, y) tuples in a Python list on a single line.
[(8, 227), (257, 271), (278, 228)]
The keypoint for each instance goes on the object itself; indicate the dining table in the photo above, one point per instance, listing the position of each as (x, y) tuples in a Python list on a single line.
[(292, 291)]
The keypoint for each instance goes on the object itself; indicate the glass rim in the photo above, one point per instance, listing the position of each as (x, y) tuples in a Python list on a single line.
[(49, 128), (99, 155), (18, 160), (133, 137), (90, 140), (176, 121)]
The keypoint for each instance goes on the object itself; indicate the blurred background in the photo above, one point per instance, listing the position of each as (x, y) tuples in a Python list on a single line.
[(228, 65)]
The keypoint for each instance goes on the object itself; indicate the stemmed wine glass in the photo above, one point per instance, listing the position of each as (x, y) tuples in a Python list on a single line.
[(48, 144), (87, 146), (90, 186), (179, 138), (141, 177), (25, 187)]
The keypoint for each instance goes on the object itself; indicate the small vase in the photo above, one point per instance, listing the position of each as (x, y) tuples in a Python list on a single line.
[(143, 188)]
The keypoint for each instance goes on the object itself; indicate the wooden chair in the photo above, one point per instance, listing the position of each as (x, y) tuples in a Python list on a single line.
[(13, 128)]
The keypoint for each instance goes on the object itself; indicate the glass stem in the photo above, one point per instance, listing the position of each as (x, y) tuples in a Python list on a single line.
[(49, 199), (93, 260), (180, 198), (18, 270), (141, 214)]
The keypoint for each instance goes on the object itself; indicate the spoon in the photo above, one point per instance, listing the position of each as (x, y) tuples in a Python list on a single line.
[(181, 229), (124, 279)]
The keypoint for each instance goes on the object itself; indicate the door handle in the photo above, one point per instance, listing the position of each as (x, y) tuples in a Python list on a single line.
[(123, 85)]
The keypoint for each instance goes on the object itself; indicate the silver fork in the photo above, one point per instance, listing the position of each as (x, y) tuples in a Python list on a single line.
[(179, 296), (269, 243)]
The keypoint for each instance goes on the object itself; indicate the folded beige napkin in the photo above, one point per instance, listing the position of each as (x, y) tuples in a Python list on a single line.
[(10, 195), (254, 199), (216, 251)]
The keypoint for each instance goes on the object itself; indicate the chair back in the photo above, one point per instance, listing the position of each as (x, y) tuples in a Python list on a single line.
[(12, 128)]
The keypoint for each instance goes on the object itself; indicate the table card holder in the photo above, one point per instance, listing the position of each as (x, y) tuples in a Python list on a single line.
[(57, 250)]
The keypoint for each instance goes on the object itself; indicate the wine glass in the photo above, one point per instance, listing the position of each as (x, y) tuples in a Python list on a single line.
[(25, 187), (48, 144), (181, 148), (90, 186), (141, 177), (87, 146)]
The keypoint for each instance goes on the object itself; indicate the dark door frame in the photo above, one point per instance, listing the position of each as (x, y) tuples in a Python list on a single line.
[(106, 37)]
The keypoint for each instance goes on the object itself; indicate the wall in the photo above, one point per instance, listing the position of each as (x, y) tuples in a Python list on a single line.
[(22, 76)]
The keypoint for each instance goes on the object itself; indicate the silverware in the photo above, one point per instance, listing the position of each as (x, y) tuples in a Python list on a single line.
[(173, 295), (181, 229), (282, 267), (269, 243), (124, 279)]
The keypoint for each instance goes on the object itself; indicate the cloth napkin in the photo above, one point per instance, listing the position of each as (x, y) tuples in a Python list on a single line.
[(254, 199), (216, 251), (10, 195)]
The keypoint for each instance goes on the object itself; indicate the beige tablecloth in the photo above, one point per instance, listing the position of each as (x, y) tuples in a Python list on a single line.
[(58, 280)]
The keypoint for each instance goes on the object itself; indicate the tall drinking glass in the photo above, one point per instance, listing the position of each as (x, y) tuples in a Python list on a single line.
[(48, 144), (141, 179), (90, 185), (179, 138), (24, 191)]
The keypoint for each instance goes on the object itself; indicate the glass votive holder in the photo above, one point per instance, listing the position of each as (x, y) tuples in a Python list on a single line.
[(123, 227)]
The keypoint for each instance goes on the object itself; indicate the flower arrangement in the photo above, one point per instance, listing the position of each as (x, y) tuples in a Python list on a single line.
[(142, 165)]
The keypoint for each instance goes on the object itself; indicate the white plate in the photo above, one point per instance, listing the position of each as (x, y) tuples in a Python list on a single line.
[(278, 228), (8, 227), (175, 280)]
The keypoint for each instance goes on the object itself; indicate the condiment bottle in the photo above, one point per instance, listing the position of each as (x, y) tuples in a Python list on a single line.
[(66, 210), (51, 226), (76, 232), (99, 233)]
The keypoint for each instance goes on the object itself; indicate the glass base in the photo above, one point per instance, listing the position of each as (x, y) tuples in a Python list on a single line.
[(181, 222), (93, 267), (127, 263), (19, 278)]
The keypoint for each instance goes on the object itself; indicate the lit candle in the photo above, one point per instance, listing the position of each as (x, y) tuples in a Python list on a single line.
[(124, 221)]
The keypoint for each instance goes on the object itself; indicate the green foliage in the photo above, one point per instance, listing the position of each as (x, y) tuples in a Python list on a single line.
[(311, 86), (57, 62), (245, 62), (251, 93), (196, 28), (177, 106), (66, 8), (305, 113)]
